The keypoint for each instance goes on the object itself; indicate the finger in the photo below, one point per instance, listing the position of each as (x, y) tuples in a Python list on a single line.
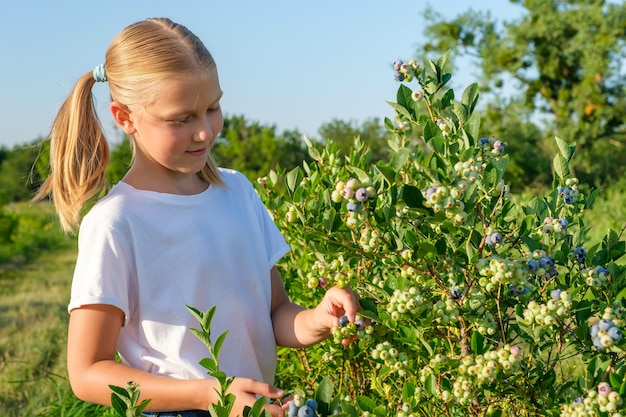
[(275, 410)]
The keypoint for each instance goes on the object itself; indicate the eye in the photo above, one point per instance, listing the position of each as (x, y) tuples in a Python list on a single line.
[(214, 108), (180, 122)]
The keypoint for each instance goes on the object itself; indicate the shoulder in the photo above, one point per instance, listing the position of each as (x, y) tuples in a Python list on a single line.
[(112, 209), (235, 180), (231, 176)]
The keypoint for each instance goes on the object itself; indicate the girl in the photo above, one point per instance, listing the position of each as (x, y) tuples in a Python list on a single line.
[(175, 231)]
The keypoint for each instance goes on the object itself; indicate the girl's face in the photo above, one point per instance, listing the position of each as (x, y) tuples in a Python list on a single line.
[(174, 134)]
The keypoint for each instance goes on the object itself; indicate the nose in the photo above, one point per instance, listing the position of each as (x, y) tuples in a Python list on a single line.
[(208, 127), (204, 130)]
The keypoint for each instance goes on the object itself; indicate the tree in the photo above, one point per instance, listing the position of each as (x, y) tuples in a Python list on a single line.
[(566, 58), (19, 177), (371, 132), (255, 149)]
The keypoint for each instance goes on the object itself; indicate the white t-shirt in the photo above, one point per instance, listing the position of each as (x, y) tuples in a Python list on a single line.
[(150, 254)]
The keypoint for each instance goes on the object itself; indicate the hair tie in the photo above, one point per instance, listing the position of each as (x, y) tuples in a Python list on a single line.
[(99, 74)]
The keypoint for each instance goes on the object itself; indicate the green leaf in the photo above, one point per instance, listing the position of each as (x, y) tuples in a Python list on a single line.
[(365, 403), (615, 380), (118, 405), (400, 110), (314, 153), (460, 111), (217, 346), (329, 220), (561, 167), (399, 159), (470, 97), (430, 131), (478, 343), (292, 179), (412, 196), (209, 363), (567, 151)]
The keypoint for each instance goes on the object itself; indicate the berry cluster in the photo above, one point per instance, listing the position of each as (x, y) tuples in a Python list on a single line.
[(355, 193), (449, 200), (390, 357), (542, 265), (403, 71), (596, 277), (346, 331), (446, 311), (493, 239), (369, 239), (444, 127), (468, 170), (495, 271), (337, 273), (547, 314), (607, 331), (602, 399), (480, 370), (487, 324), (552, 225), (406, 303), (569, 193), (301, 407), (496, 146)]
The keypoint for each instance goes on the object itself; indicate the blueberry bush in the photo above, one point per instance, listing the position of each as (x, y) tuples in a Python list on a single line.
[(474, 303)]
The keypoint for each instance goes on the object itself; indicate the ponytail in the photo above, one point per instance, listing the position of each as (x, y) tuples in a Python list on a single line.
[(79, 154)]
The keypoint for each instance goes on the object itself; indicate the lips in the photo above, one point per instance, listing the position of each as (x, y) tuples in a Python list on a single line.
[(198, 152)]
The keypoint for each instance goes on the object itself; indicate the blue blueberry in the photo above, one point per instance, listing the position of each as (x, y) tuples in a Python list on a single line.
[(292, 410), (603, 270), (532, 265), (604, 325), (352, 206), (483, 141), (343, 321), (455, 293), (615, 333), (597, 343), (546, 262), (593, 331), (312, 403), (568, 199), (306, 411), (496, 238), (398, 76), (580, 254)]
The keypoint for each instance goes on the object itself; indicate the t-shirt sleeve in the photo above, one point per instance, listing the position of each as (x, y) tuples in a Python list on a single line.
[(275, 242), (102, 272)]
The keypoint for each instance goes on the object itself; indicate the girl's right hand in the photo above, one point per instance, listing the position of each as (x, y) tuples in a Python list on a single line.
[(248, 390)]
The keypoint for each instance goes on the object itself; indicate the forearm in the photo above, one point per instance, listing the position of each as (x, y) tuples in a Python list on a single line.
[(297, 327), (166, 394)]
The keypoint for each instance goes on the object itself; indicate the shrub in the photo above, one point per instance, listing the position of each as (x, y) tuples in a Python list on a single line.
[(473, 304)]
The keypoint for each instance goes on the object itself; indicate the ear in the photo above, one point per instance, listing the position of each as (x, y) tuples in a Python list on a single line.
[(122, 116)]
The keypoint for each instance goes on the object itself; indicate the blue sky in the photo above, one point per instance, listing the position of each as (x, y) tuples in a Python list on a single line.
[(292, 64)]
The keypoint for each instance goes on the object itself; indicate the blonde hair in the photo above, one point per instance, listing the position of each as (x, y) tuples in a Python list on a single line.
[(140, 56)]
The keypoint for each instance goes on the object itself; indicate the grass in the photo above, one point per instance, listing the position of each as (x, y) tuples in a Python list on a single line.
[(33, 333)]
